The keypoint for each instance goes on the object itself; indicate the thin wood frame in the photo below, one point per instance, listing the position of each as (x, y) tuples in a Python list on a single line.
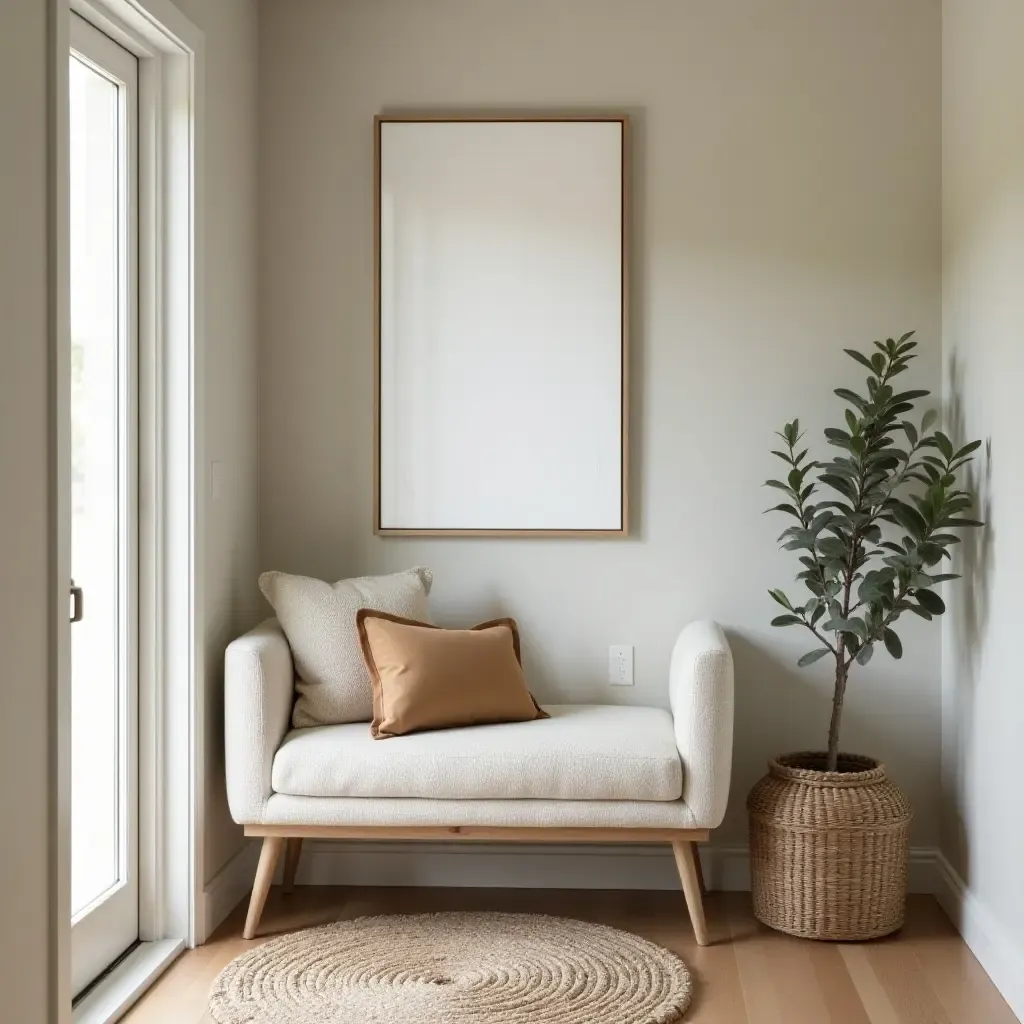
[(278, 839), (625, 214), (484, 833)]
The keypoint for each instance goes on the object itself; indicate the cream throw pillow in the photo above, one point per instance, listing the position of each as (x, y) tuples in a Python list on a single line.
[(319, 620)]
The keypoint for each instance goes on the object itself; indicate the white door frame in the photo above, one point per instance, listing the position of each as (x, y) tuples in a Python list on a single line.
[(171, 451)]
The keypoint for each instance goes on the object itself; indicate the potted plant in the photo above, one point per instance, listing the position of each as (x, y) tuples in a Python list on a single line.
[(829, 831)]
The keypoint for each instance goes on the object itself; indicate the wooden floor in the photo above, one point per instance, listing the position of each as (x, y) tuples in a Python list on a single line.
[(750, 975)]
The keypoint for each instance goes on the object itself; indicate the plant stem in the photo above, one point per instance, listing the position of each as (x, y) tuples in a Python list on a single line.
[(842, 669)]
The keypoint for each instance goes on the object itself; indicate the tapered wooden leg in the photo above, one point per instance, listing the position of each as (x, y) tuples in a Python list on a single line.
[(700, 870), (686, 864), (270, 854), (292, 852)]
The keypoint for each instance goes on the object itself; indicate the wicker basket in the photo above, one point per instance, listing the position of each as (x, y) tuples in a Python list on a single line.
[(828, 850)]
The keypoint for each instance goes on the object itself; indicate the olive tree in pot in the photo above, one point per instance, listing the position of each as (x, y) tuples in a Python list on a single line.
[(871, 527)]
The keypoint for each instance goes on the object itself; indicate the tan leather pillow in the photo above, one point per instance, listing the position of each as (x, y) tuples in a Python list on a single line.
[(425, 677)]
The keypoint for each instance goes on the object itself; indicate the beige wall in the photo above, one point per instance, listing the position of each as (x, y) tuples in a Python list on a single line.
[(983, 122), (230, 397), (26, 890), (787, 200)]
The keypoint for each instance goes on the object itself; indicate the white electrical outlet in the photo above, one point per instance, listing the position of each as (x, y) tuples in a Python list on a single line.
[(620, 665)]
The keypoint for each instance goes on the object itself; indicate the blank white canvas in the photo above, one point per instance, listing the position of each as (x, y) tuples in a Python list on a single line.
[(501, 341)]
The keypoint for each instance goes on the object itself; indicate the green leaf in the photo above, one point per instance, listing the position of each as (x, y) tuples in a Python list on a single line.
[(910, 396), (790, 509), (864, 654), (851, 420), (812, 656), (832, 547), (910, 430), (930, 552), (840, 484), (930, 416), (779, 484), (961, 522), (943, 576), (967, 449), (878, 363), (892, 643), (910, 519), (799, 539), (852, 625), (821, 520), (852, 397), (862, 359), (780, 597), (787, 620), (930, 601), (944, 445)]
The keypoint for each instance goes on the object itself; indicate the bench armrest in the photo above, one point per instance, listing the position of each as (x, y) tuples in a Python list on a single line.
[(701, 697), (258, 694)]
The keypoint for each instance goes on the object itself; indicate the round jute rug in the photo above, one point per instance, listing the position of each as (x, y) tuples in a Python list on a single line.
[(455, 968)]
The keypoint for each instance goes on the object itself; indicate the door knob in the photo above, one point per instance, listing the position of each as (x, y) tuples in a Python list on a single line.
[(77, 608)]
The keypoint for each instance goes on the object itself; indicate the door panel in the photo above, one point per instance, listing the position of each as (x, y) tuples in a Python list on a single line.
[(103, 81)]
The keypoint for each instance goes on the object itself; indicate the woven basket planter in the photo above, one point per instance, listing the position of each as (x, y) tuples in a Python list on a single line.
[(828, 850)]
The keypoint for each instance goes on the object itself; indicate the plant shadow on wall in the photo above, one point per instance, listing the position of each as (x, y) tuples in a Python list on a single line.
[(872, 528), (969, 618)]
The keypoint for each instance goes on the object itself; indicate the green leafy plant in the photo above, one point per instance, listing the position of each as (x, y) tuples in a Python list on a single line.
[(862, 575)]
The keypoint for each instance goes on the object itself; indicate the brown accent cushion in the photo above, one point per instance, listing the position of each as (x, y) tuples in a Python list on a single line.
[(426, 677)]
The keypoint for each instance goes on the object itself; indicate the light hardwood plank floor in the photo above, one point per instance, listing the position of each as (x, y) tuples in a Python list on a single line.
[(750, 975)]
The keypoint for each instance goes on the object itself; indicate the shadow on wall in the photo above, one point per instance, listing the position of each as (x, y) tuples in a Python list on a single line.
[(968, 621)]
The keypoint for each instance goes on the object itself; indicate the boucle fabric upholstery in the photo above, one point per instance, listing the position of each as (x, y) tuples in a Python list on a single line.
[(358, 811), (700, 690), (258, 701), (582, 752), (319, 620)]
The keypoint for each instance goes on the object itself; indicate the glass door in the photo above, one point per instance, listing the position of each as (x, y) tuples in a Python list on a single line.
[(103, 80)]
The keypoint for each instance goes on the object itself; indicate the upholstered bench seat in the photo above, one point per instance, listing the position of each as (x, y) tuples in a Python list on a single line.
[(588, 774), (582, 752)]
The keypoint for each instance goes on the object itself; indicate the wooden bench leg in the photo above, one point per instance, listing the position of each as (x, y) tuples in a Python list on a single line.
[(270, 854), (292, 852), (700, 870), (689, 874)]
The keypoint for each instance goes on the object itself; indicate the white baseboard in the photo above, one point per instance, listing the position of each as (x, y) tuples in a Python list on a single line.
[(998, 954), (542, 866), (226, 890), (502, 865)]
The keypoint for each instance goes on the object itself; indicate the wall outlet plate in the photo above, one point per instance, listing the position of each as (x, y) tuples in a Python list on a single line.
[(620, 665)]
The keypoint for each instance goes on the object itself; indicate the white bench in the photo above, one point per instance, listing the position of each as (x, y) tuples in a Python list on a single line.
[(589, 773)]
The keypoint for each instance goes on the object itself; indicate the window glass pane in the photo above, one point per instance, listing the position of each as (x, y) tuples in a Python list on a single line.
[(95, 472)]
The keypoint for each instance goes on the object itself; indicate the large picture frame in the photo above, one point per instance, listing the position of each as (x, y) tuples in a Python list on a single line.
[(501, 325)]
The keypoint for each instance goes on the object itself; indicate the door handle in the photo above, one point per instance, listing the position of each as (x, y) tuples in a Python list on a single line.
[(77, 605)]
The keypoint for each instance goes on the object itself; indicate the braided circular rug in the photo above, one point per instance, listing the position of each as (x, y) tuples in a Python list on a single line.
[(459, 968)]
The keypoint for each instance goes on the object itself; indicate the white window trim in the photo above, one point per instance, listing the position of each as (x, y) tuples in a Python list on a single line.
[(171, 437)]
